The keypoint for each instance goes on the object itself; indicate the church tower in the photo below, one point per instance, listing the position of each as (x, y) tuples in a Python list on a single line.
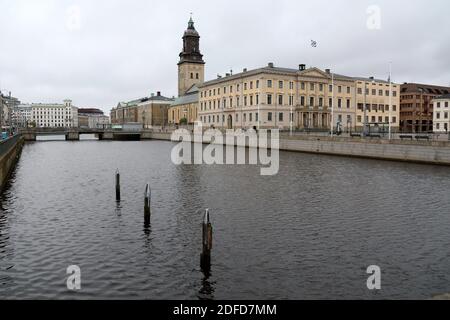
[(191, 68)]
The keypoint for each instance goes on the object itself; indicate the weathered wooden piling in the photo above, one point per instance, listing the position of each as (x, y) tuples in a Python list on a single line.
[(205, 258), (117, 185), (147, 204)]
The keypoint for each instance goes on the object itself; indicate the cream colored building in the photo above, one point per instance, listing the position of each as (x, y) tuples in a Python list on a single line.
[(54, 115), (441, 114), (374, 95), (273, 97)]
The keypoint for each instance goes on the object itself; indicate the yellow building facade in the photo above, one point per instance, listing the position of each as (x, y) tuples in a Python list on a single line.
[(273, 97)]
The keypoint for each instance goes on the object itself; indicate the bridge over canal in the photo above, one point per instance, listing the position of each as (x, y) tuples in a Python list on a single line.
[(31, 134)]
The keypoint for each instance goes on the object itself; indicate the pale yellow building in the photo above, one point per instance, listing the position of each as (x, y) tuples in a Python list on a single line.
[(273, 97), (374, 100)]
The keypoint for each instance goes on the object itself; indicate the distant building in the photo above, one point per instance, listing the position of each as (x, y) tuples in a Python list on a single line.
[(441, 114), (92, 118), (7, 105), (54, 115), (21, 115), (149, 111), (416, 106)]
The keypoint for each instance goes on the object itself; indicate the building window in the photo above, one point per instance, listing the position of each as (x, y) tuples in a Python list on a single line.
[(251, 100), (438, 104), (192, 76), (348, 103), (311, 86), (302, 101), (196, 75), (437, 126), (320, 102), (280, 84), (311, 102), (339, 103), (291, 85), (321, 87), (348, 90), (394, 119), (359, 118), (359, 90), (291, 100), (339, 89), (269, 116), (280, 100), (438, 115), (245, 86), (280, 116), (257, 99), (251, 85), (257, 84), (269, 99), (269, 83), (302, 86)]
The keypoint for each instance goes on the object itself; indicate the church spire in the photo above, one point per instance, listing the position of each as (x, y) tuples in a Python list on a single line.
[(191, 45)]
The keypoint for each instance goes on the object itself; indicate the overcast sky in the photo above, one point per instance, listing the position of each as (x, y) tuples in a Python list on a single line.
[(100, 52)]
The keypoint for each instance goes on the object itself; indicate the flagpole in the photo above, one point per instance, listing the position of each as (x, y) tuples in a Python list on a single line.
[(390, 100)]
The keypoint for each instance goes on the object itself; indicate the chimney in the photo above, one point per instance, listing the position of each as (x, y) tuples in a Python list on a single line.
[(371, 78), (219, 76), (328, 71), (302, 67), (158, 93), (227, 75), (245, 70), (231, 72), (270, 64)]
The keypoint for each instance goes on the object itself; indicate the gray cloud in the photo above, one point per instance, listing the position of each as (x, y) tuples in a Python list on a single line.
[(128, 49)]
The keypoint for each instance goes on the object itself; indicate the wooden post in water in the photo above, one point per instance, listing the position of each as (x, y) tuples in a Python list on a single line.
[(205, 258), (117, 185), (147, 204)]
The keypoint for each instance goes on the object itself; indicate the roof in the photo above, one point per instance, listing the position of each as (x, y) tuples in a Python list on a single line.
[(425, 88), (136, 102), (286, 71), (191, 96), (90, 111)]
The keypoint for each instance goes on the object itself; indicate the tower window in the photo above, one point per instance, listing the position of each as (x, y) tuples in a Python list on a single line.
[(192, 76), (196, 75)]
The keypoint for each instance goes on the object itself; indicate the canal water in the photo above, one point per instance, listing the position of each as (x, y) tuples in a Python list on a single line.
[(308, 233)]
